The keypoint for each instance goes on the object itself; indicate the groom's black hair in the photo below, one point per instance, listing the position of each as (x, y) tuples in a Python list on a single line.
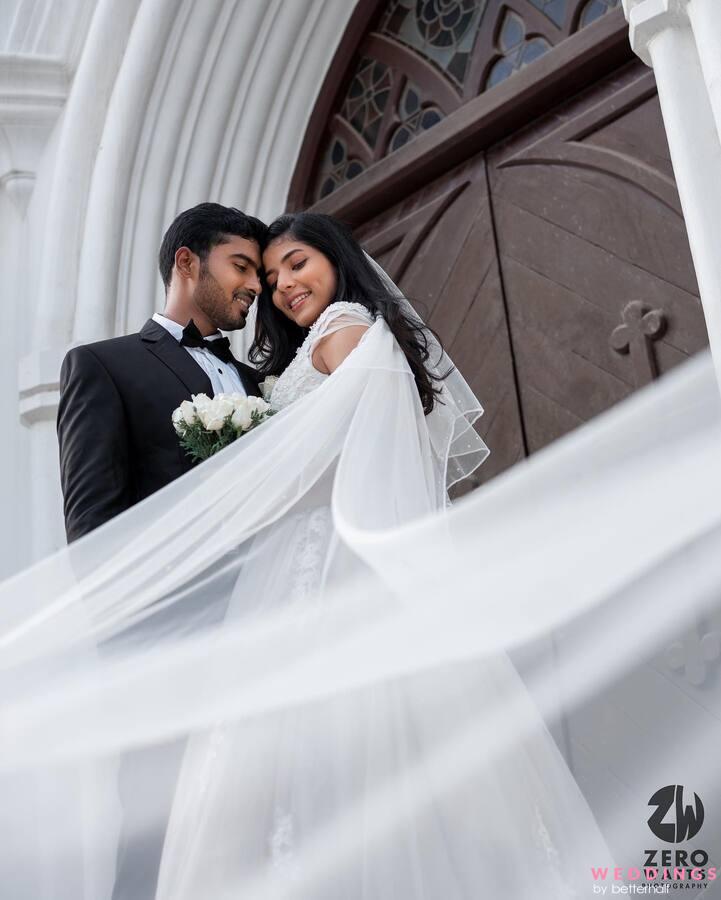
[(203, 227)]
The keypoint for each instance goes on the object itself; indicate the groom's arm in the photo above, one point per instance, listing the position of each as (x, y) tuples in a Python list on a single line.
[(92, 434)]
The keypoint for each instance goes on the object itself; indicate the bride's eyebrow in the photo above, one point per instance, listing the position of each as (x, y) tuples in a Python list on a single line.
[(269, 272)]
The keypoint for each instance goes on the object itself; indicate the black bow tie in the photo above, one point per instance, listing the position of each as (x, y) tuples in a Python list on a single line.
[(220, 347)]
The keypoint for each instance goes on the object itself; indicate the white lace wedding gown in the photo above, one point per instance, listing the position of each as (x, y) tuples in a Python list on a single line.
[(345, 799)]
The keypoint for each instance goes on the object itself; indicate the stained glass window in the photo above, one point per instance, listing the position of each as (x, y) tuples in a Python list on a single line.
[(554, 9), (516, 49), (442, 31), (594, 9), (453, 41), (367, 98), (337, 168), (414, 117)]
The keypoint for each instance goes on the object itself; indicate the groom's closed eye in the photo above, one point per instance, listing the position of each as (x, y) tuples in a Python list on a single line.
[(243, 263)]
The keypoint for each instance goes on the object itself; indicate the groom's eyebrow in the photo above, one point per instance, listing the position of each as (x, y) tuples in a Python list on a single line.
[(245, 258)]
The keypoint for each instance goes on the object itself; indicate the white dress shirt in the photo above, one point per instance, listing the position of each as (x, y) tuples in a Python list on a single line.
[(224, 377)]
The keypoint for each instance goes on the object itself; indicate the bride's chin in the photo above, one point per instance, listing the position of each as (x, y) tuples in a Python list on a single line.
[(303, 318)]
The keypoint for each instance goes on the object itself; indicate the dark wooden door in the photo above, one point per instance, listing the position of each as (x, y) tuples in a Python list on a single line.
[(555, 267), (596, 269), (439, 247)]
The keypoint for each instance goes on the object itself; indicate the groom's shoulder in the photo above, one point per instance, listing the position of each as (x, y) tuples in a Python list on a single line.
[(110, 348), (106, 352)]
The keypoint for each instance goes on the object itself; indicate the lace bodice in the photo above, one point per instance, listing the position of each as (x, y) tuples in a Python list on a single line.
[(301, 377)]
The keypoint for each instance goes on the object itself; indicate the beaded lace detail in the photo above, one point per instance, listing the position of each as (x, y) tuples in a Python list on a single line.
[(301, 377), (551, 858), (308, 549), (282, 849)]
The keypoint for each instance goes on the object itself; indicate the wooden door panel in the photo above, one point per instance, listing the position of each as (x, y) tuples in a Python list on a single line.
[(434, 223), (574, 263), (601, 169), (597, 273), (571, 319), (606, 213), (439, 245), (398, 242), (477, 271), (481, 351)]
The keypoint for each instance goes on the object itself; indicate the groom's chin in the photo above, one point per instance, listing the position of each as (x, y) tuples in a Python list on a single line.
[(236, 323)]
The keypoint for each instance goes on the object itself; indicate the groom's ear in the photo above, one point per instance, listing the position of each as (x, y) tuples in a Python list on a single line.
[(186, 262)]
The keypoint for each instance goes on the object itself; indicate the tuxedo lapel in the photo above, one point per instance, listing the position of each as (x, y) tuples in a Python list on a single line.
[(164, 346), (250, 384)]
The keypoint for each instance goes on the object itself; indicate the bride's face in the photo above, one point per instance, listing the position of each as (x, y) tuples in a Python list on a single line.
[(302, 280)]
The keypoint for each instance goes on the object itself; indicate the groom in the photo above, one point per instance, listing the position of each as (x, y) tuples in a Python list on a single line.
[(118, 444), (117, 441)]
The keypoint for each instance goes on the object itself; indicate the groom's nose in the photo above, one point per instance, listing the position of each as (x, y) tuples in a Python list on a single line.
[(253, 284)]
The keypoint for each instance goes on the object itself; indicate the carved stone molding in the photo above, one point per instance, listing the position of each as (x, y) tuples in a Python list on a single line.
[(33, 91), (38, 385), (649, 18), (695, 656), (18, 185), (641, 327)]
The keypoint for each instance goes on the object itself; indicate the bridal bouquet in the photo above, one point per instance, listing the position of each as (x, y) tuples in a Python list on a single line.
[(206, 425)]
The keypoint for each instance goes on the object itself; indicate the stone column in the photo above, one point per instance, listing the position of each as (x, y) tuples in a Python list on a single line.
[(33, 92), (53, 287), (705, 19), (661, 34)]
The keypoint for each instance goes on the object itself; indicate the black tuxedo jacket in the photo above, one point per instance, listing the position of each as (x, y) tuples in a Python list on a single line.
[(117, 441)]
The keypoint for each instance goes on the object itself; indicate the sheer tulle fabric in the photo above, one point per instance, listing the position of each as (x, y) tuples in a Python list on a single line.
[(316, 647)]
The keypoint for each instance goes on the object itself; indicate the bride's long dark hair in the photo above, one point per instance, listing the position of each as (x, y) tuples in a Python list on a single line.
[(277, 337)]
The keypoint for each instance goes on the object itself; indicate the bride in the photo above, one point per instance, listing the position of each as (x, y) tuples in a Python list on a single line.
[(287, 806)]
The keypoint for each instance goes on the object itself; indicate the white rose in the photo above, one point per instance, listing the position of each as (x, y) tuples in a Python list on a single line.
[(223, 405), (200, 401), (187, 412), (258, 404), (242, 418), (177, 419), (211, 420), (266, 387), (212, 415)]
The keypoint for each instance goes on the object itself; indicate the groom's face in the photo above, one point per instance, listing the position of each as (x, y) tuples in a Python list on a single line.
[(228, 282)]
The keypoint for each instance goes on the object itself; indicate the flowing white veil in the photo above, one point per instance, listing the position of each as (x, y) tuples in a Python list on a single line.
[(267, 616)]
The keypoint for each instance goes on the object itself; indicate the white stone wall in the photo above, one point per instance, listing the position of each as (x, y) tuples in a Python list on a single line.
[(114, 116)]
